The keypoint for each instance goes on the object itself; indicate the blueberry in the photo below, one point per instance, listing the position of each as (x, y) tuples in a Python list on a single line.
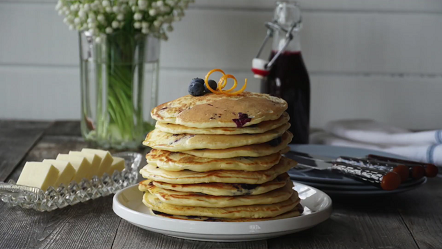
[(212, 85), (275, 142), (196, 88), (198, 80)]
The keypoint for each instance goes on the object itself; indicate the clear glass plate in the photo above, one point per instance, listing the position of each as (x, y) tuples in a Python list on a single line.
[(62, 196)]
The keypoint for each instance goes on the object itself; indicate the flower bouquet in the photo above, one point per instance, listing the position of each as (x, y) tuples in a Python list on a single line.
[(119, 51)]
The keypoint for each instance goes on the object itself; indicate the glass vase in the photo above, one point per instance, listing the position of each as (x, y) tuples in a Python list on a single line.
[(119, 87)]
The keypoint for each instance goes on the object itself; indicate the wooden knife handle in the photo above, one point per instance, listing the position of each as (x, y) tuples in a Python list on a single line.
[(386, 180), (402, 170), (430, 169)]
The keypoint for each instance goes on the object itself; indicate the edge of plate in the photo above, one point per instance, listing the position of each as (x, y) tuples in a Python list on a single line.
[(220, 228)]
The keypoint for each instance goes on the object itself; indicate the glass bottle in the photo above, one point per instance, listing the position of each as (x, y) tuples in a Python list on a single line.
[(288, 77)]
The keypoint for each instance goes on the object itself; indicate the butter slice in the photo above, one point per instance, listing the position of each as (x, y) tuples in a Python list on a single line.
[(80, 164), (65, 169), (93, 159), (38, 174), (106, 160), (118, 164)]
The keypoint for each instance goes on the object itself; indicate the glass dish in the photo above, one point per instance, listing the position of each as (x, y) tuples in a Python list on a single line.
[(62, 196)]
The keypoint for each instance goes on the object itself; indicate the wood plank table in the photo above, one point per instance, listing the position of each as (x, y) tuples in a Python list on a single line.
[(408, 220)]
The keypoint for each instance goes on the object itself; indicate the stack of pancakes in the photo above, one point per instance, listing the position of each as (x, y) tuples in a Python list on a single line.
[(218, 158)]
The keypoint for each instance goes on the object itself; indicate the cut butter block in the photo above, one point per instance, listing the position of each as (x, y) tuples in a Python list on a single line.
[(93, 159), (80, 164), (38, 174), (65, 169), (106, 159), (118, 165)]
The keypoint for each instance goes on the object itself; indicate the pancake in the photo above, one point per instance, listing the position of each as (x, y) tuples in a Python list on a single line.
[(254, 129), (254, 211), (297, 211), (219, 110), (175, 161), (222, 189), (254, 150), (155, 173), (202, 200), (180, 142)]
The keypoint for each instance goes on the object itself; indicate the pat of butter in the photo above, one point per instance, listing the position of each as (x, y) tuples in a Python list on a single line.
[(65, 169), (38, 174), (106, 159), (80, 164), (93, 159), (118, 164)]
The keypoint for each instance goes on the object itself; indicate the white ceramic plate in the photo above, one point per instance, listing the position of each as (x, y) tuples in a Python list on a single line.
[(326, 176), (317, 208)]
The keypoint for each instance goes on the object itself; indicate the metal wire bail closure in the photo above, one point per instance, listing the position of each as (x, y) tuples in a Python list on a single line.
[(261, 67)]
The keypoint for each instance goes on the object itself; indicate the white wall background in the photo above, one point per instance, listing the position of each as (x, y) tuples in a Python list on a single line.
[(367, 58)]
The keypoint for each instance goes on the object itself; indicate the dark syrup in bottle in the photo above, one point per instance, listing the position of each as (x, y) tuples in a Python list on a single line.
[(288, 79)]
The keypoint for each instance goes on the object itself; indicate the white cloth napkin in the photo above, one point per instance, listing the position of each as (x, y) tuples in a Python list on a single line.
[(370, 131), (417, 146)]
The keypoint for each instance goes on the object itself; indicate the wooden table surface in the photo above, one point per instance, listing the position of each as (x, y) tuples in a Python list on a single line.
[(408, 220)]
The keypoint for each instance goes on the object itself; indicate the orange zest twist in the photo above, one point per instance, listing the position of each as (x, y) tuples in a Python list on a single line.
[(223, 82)]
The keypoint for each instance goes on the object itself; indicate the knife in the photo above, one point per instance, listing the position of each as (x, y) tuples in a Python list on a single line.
[(387, 180), (402, 170), (430, 169)]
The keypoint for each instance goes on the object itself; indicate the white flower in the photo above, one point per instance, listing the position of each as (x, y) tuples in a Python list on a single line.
[(115, 24), (138, 16), (74, 7), (91, 25), (120, 17), (105, 3), (71, 27), (157, 23), (86, 7), (98, 39), (109, 30), (90, 20), (77, 20), (132, 2), (81, 14), (108, 9), (145, 25), (58, 6), (101, 18), (142, 4), (152, 12), (116, 9), (60, 12), (160, 3), (145, 31), (137, 25)]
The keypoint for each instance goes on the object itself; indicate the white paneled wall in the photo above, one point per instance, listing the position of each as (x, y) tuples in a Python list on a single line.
[(367, 58)]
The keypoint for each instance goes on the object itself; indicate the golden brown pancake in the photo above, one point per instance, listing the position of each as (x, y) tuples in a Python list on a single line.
[(180, 142), (202, 200), (254, 150), (222, 189), (219, 110), (254, 129), (254, 211), (225, 176), (176, 161)]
